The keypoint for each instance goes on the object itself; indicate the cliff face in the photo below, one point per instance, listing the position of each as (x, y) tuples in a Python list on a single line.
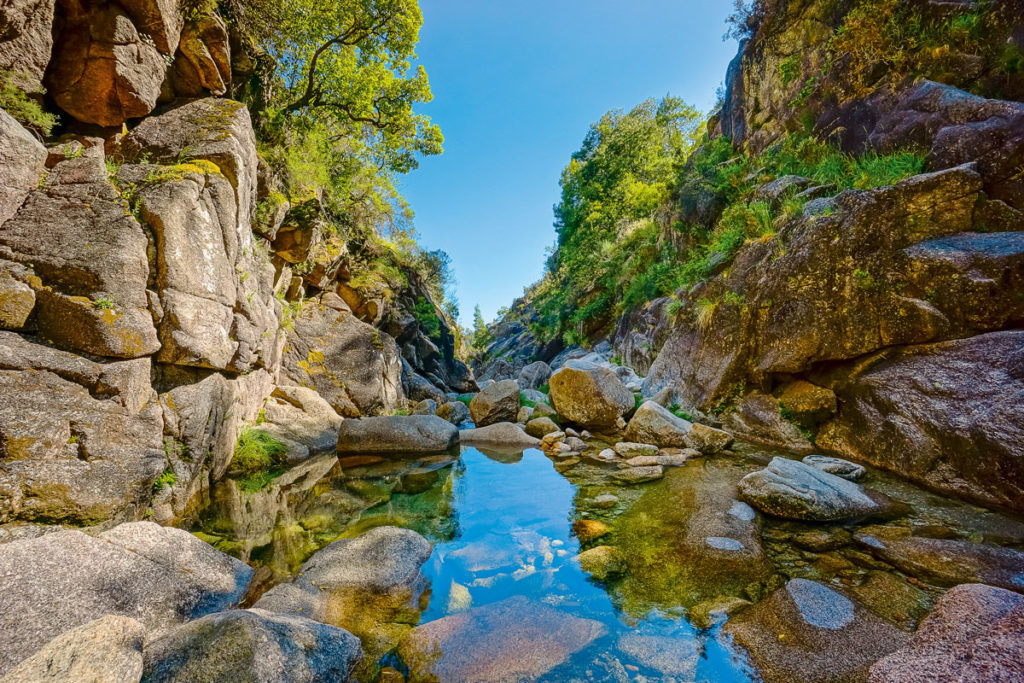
[(150, 292)]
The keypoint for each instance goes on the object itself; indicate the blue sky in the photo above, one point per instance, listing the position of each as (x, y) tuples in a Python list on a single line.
[(515, 86)]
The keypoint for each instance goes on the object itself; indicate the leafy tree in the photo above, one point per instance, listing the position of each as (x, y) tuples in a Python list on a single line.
[(481, 335)]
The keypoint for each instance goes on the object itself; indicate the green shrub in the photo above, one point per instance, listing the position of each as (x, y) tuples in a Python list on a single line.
[(24, 109), (167, 478), (257, 450), (426, 316)]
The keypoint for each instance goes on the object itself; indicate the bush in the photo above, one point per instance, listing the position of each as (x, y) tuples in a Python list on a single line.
[(24, 109), (426, 316), (257, 450)]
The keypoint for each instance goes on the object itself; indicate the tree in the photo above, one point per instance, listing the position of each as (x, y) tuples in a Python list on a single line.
[(481, 335)]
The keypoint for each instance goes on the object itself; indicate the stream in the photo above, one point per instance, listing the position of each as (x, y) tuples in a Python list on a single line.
[(506, 530)]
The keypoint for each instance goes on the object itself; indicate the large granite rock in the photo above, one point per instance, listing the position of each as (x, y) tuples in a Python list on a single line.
[(252, 646), (655, 424), (946, 562), (22, 163), (589, 395), (500, 435), (203, 62), (789, 488), (397, 435), (943, 415), (498, 402), (534, 375), (302, 416), (159, 576), (807, 631), (91, 259), (354, 366), (26, 27), (108, 649), (515, 639), (975, 633), (382, 559)]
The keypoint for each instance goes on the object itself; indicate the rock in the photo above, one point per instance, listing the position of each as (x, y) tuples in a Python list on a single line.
[(397, 435), (589, 529), (102, 70), (589, 395), (758, 418), (575, 444), (638, 475), (837, 466), (425, 407), (535, 396), (488, 643), (715, 611), (947, 562), (107, 649), (973, 634), (162, 577), (605, 501), (382, 559), (524, 415), (791, 489), (892, 598), (807, 403), (27, 42), (541, 426), (22, 160), (501, 434), (640, 461), (707, 439), (204, 58), (775, 191), (601, 562), (606, 455), (941, 415), (455, 412), (820, 540), (543, 410), (677, 658), (499, 402), (654, 424), (629, 450), (675, 459), (809, 632), (250, 646), (534, 375), (354, 366), (300, 414)]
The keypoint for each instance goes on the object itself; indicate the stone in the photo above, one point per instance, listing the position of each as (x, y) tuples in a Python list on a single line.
[(707, 439), (793, 490), (300, 414), (973, 634), (654, 424), (27, 42), (775, 191), (543, 410), (397, 435), (425, 407), (758, 418), (809, 632), (534, 375), (820, 540), (102, 70), (638, 475), (892, 598), (640, 461), (382, 559), (22, 160), (500, 434), (514, 639), (807, 403), (541, 426), (354, 366), (250, 646), (946, 562), (589, 529), (589, 395), (203, 61), (499, 402), (107, 649), (455, 412), (534, 395), (676, 658), (601, 562), (715, 611), (524, 415), (629, 450), (162, 577), (841, 468)]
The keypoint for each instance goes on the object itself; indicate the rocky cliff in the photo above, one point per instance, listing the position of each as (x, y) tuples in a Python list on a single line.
[(882, 324), (156, 286)]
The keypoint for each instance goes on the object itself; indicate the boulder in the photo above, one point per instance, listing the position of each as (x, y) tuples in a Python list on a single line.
[(354, 366), (22, 161), (501, 434), (534, 375), (793, 490), (973, 634), (601, 562), (655, 424), (589, 395), (382, 559), (159, 576), (26, 27), (301, 415), (707, 439), (758, 418), (203, 62), (638, 475), (837, 466), (628, 449), (251, 646), (524, 415), (108, 649), (488, 643), (455, 412), (427, 406), (541, 426), (543, 409), (397, 435), (942, 415), (946, 562), (588, 530), (807, 631), (103, 71), (499, 402)]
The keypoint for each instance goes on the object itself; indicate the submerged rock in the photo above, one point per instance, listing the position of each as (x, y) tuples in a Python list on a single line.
[(159, 576), (628, 449), (715, 611), (677, 658), (499, 402), (252, 646), (499, 434), (807, 631), (514, 639), (397, 435), (975, 633), (601, 562), (108, 649), (791, 489), (589, 395), (638, 475)]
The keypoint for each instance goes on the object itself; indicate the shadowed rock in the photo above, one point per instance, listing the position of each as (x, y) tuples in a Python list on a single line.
[(397, 434)]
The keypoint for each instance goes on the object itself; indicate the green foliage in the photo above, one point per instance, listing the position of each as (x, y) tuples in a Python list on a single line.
[(678, 411), (481, 335), (167, 478), (523, 401), (104, 302), (544, 388), (257, 450), (24, 109), (426, 316)]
